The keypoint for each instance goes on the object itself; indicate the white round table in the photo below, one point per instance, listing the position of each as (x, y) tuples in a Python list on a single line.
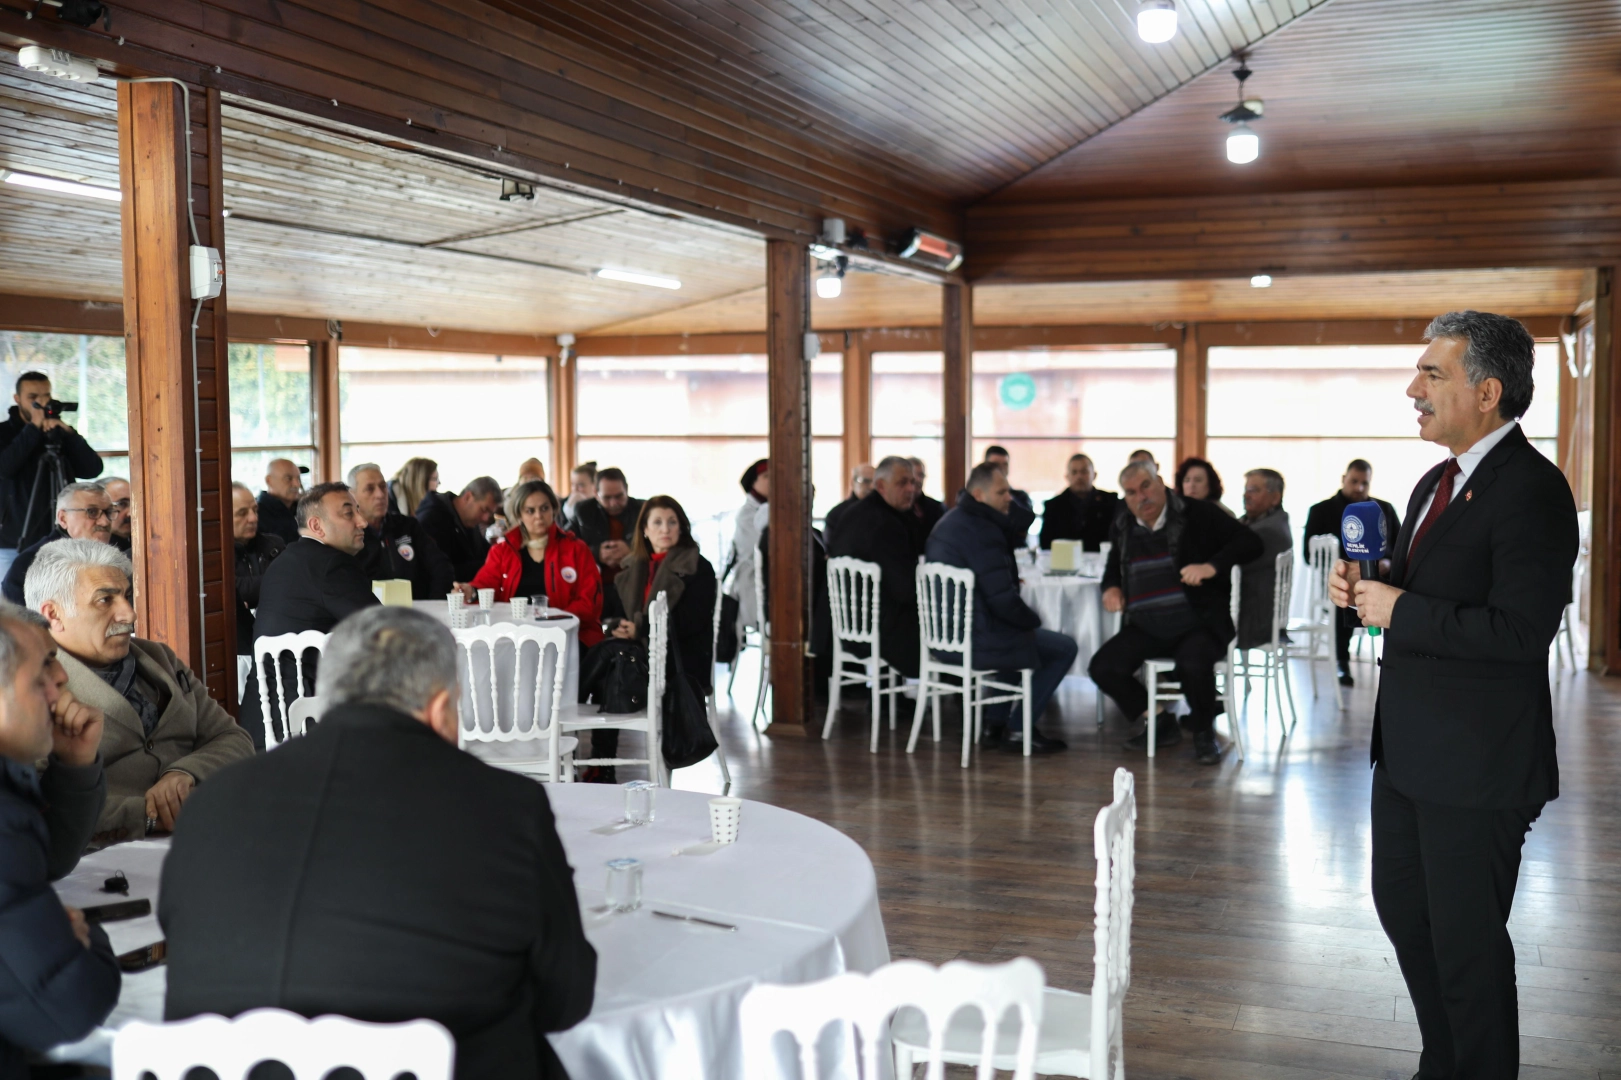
[(1070, 604), (802, 896)]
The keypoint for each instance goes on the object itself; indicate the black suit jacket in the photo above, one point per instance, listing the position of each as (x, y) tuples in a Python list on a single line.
[(401, 548), (337, 875), (277, 518), (1464, 716), (893, 539), (1068, 516), (465, 548)]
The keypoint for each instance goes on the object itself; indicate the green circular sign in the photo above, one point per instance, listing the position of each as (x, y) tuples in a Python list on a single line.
[(1017, 391)]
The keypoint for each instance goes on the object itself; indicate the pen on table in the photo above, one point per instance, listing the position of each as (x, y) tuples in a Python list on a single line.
[(694, 919)]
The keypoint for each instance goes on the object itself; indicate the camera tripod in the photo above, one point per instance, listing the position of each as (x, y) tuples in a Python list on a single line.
[(50, 470)]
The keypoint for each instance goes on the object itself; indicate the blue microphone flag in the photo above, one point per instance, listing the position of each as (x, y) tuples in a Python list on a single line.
[(1363, 533)]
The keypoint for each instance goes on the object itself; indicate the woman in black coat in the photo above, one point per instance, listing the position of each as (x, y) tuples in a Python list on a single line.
[(664, 558)]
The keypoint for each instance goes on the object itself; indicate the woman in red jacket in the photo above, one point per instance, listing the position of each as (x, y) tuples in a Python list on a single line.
[(537, 558)]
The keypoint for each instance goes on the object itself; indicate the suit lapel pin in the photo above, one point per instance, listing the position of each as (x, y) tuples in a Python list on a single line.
[(1470, 494)]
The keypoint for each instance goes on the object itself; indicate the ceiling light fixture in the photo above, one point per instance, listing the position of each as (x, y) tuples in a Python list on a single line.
[(65, 187), (1261, 281), (1156, 21), (657, 281), (1243, 145), (931, 250), (830, 282)]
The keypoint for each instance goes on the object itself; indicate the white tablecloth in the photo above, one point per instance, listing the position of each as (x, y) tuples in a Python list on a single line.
[(1070, 604), (802, 896)]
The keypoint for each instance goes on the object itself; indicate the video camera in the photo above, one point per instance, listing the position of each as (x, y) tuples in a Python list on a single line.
[(54, 409)]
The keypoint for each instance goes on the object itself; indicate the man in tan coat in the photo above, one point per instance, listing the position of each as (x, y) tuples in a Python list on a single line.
[(163, 734)]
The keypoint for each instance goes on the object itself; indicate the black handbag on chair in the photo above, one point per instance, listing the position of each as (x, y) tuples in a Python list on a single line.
[(614, 674)]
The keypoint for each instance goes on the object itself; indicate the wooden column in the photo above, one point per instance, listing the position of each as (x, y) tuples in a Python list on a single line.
[(179, 409), (564, 399), (328, 421), (1604, 578), (957, 371), (1192, 376), (788, 322), (856, 387)]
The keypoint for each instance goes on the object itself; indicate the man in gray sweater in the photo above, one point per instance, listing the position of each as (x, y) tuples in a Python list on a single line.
[(1266, 517)]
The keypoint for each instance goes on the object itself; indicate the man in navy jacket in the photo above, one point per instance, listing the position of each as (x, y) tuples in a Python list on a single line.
[(58, 976), (980, 535)]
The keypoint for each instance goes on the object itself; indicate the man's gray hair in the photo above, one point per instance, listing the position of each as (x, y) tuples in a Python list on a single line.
[(1498, 347), (885, 469), (855, 473), (54, 576), (11, 655), (482, 488), (983, 475), (1271, 477), (1140, 466), (917, 464), (356, 470), (240, 486), (83, 487), (391, 656)]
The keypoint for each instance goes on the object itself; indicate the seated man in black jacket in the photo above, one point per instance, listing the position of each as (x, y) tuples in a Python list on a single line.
[(457, 524), (26, 437), (396, 546), (278, 502), (607, 524), (998, 456), (254, 552), (1170, 570), (1324, 520), (59, 978), (860, 486), (334, 907), (1081, 511), (311, 586), (1006, 636), (882, 529)]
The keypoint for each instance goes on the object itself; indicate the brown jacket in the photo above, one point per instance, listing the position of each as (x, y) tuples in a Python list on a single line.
[(194, 735)]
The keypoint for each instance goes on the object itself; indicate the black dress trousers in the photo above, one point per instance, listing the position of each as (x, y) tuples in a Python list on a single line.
[(1443, 884)]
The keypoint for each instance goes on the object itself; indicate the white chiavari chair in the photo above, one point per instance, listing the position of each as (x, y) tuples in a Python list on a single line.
[(533, 744), (276, 694), (854, 593), (649, 721)]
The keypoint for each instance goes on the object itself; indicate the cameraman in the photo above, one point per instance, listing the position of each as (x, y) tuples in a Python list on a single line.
[(24, 440)]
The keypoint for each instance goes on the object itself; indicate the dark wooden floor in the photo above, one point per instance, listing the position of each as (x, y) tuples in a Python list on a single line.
[(1256, 953)]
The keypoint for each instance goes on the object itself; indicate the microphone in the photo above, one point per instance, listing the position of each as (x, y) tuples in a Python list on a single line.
[(1364, 538)]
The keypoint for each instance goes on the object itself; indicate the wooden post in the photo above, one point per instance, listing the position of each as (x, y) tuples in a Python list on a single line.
[(957, 371), (856, 388), (788, 323), (1604, 577), (178, 404), (328, 421), (1192, 377), (564, 400)]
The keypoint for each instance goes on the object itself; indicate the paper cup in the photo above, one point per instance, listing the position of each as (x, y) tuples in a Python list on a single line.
[(723, 819), (520, 609), (486, 599)]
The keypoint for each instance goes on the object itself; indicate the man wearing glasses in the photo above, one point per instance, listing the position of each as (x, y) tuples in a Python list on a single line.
[(123, 520), (83, 512)]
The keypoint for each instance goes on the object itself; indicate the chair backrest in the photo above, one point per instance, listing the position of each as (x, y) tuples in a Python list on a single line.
[(945, 609), (658, 637), (274, 697), (304, 712), (309, 1048), (483, 687), (1114, 842), (1235, 594), (714, 629), (853, 591), (867, 1002), (1283, 587), (1323, 550), (760, 619)]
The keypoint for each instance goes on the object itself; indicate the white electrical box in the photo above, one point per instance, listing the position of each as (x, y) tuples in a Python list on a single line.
[(55, 62), (207, 273)]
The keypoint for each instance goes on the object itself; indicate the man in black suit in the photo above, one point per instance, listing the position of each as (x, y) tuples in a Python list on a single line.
[(1463, 741), (457, 524), (860, 486), (998, 456), (1324, 520), (359, 892), (278, 502), (1081, 511), (311, 586), (882, 529), (396, 546)]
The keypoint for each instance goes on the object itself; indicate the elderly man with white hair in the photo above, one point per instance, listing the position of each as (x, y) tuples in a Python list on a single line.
[(163, 734), (84, 511)]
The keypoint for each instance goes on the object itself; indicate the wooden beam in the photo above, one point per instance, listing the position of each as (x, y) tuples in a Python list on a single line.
[(1604, 577), (183, 587), (957, 371), (52, 315), (250, 327), (856, 392), (1192, 383), (1345, 331), (564, 399), (328, 414), (789, 587)]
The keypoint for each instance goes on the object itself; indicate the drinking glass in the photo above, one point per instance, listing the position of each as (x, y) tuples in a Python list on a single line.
[(624, 884), (538, 603), (639, 801)]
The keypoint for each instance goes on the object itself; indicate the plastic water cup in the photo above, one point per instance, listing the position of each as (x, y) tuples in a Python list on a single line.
[(539, 605), (723, 819), (639, 801), (520, 609), (486, 599), (624, 884)]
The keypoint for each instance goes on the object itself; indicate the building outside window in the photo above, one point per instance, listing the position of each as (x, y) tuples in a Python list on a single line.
[(84, 368), (272, 409)]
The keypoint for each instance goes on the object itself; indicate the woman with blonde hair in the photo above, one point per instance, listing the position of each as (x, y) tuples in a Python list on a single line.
[(417, 477)]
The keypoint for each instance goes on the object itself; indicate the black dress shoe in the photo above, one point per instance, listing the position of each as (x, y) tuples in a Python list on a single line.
[(1167, 732), (1039, 743), (991, 738), (1206, 750), (1345, 678)]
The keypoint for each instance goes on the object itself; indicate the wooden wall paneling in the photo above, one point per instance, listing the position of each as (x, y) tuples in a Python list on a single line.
[(1192, 383), (789, 587), (957, 371), (564, 398), (328, 414), (1604, 576), (180, 567), (856, 388)]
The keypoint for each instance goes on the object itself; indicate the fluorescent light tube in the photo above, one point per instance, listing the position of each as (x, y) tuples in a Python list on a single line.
[(66, 187), (657, 281)]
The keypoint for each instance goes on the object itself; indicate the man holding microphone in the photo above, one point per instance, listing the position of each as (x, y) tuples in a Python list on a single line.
[(1463, 740)]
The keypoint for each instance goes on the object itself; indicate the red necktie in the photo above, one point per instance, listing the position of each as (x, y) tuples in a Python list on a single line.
[(1438, 505)]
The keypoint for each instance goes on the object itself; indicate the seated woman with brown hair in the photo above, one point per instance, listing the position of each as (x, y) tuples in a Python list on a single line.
[(537, 558), (664, 559)]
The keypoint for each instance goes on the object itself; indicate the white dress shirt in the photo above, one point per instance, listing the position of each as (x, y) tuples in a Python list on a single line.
[(1467, 461)]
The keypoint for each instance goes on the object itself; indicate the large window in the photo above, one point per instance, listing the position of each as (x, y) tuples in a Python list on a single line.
[(1307, 411), (1045, 404), (272, 409), (85, 368), (688, 426), (476, 414), (908, 411)]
